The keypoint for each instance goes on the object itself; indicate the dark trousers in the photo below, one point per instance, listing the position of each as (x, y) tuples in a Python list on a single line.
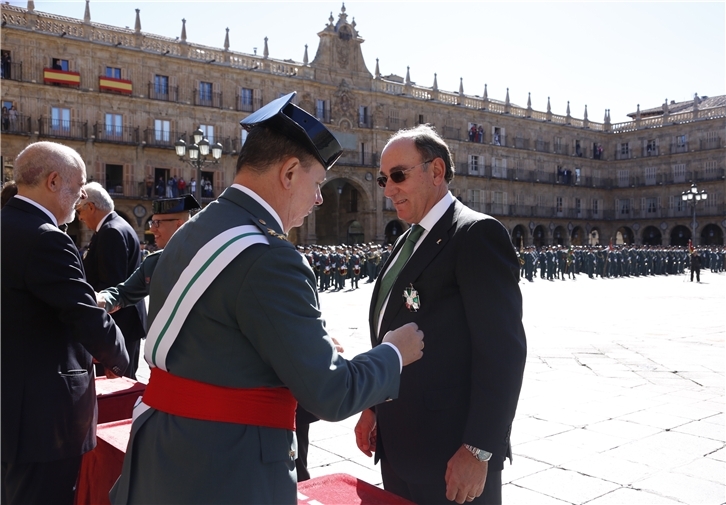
[(433, 491), (303, 418), (698, 275), (40, 483)]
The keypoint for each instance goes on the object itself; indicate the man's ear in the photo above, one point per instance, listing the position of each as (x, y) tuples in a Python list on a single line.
[(288, 170), (54, 182), (438, 171)]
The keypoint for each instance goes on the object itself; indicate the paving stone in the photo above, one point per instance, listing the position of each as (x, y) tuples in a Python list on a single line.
[(629, 496), (588, 440), (705, 468), (684, 488), (703, 429), (547, 451), (612, 469), (515, 495), (623, 429), (567, 485)]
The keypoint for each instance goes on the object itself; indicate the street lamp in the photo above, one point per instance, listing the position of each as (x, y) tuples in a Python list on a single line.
[(693, 196), (197, 156)]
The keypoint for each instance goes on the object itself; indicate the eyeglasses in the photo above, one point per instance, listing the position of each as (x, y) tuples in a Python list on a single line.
[(154, 223), (399, 175)]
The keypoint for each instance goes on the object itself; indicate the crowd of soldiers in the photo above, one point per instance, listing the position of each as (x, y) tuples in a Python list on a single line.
[(333, 265), (559, 262)]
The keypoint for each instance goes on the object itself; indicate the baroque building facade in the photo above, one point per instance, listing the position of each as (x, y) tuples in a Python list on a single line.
[(123, 97)]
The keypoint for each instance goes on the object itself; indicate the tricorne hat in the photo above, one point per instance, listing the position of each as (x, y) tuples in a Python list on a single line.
[(174, 205), (292, 121)]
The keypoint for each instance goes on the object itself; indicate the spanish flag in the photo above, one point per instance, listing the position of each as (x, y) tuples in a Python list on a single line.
[(690, 247)]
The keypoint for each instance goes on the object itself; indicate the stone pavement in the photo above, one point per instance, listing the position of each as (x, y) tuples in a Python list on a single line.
[(623, 396)]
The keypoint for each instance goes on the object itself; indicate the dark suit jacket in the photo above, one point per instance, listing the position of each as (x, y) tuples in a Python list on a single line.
[(466, 387), (113, 255), (51, 326)]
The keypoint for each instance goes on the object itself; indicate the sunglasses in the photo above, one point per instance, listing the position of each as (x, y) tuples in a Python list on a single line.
[(399, 175)]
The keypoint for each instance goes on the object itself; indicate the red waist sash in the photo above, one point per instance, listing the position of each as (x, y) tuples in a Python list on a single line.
[(270, 407)]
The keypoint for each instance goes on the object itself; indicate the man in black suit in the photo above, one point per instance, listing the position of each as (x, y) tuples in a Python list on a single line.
[(113, 255), (51, 328), (447, 435)]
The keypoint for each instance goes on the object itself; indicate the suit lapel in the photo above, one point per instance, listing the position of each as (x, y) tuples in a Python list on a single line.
[(377, 286), (434, 242)]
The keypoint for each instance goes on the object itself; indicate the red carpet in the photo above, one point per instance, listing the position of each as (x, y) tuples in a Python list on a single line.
[(344, 489)]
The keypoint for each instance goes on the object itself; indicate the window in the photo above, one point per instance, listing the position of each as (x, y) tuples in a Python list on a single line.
[(677, 204), (650, 176), (113, 72), (595, 206), (115, 179), (421, 119), (497, 135), (499, 168), (623, 178), (578, 207), (679, 173), (681, 140), (651, 149), (59, 64), (162, 130), (246, 103), (114, 126), (709, 170), (578, 148), (651, 205), (60, 119), (161, 84), (476, 133), (208, 134), (205, 92), (624, 207), (625, 149), (363, 115), (320, 109), (578, 173), (243, 137), (559, 204), (473, 164)]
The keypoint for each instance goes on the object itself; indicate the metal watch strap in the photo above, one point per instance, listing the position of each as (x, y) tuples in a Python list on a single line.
[(479, 454)]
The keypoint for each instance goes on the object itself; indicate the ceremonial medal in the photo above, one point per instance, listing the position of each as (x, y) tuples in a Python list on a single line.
[(411, 299)]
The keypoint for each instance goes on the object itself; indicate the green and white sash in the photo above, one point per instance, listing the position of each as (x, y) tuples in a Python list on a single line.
[(206, 265)]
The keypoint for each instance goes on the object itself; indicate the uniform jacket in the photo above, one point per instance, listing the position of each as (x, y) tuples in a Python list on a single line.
[(257, 325), (134, 289), (113, 255), (466, 387), (51, 326)]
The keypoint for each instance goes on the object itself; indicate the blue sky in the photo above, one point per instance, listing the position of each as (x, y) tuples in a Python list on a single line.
[(601, 54)]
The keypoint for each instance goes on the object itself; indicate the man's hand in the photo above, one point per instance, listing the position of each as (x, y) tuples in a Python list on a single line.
[(465, 476), (408, 339), (338, 347), (101, 300), (365, 432)]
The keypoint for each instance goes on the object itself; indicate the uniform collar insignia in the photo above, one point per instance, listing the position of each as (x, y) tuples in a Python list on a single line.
[(281, 236)]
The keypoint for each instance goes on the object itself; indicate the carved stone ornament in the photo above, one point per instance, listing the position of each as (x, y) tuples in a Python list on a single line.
[(343, 52), (345, 100)]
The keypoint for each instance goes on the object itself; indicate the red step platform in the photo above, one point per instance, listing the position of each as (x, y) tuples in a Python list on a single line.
[(344, 489), (116, 398)]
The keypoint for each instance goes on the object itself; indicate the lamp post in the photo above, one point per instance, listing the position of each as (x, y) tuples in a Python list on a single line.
[(693, 196), (197, 156)]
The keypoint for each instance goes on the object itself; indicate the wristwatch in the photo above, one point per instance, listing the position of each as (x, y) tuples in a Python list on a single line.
[(479, 454)]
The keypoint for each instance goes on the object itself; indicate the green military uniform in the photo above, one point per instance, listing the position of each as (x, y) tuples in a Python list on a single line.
[(133, 289)]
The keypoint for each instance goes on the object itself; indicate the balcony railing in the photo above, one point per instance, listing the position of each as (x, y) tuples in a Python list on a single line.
[(68, 129), (162, 138), (650, 151), (620, 155), (561, 149), (677, 148), (118, 135), (20, 124), (230, 145), (542, 146), (520, 143), (499, 139), (323, 115), (165, 93), (713, 143), (352, 157), (580, 152), (394, 123), (365, 122), (452, 133), (12, 71), (244, 104), (208, 99)]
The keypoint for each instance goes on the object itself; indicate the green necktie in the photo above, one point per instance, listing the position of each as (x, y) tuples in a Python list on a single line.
[(392, 273)]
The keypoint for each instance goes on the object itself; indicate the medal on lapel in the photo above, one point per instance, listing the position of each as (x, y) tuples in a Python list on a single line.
[(411, 299)]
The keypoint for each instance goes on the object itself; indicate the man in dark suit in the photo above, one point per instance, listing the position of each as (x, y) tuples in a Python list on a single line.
[(447, 435), (112, 256), (51, 328)]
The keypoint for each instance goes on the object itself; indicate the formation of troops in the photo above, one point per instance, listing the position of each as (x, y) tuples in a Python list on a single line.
[(558, 262), (333, 265)]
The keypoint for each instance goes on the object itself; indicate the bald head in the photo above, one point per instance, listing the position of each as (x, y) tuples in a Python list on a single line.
[(38, 160)]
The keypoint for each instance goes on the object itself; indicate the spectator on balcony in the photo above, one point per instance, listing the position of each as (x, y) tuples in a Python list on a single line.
[(181, 186), (480, 134), (6, 65), (171, 183), (472, 133), (5, 119), (497, 142), (160, 187), (193, 186), (13, 114)]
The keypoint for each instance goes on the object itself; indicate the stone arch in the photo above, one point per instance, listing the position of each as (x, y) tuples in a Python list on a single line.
[(594, 237), (652, 236), (394, 229), (519, 236), (345, 124), (680, 235), (355, 233), (559, 236), (345, 200), (712, 234), (624, 235), (539, 236), (577, 236)]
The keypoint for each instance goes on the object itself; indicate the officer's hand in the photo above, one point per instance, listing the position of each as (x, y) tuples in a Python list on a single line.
[(338, 347), (408, 339)]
